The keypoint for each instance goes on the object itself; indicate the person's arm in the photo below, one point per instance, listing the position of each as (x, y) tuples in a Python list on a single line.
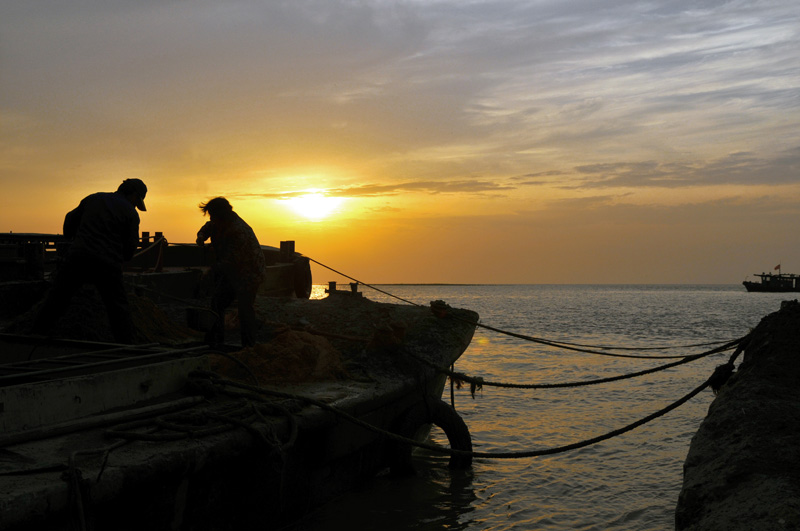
[(204, 233), (131, 240)]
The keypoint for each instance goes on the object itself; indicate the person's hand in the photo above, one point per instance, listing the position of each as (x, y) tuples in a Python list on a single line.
[(200, 241)]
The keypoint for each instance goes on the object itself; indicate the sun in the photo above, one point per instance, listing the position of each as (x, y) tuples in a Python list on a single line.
[(315, 206)]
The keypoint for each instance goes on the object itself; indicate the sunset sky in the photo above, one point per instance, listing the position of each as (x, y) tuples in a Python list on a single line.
[(430, 141)]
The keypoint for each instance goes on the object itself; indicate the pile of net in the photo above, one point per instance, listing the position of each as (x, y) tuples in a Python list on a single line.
[(291, 357)]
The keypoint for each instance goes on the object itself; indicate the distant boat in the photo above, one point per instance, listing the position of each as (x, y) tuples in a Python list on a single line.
[(774, 283)]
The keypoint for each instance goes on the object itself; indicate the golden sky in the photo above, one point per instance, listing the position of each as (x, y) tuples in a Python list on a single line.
[(439, 140)]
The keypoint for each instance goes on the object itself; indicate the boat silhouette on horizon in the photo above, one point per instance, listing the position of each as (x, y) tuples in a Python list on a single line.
[(774, 283)]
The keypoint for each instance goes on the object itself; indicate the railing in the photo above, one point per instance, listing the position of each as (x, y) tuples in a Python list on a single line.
[(26, 256)]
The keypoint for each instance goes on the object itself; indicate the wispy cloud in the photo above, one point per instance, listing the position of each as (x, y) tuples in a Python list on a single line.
[(586, 82), (742, 168), (394, 189)]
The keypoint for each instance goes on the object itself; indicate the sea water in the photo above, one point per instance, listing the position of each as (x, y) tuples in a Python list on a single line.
[(630, 482)]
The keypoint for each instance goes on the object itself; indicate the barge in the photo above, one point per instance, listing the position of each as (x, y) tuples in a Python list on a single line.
[(171, 434)]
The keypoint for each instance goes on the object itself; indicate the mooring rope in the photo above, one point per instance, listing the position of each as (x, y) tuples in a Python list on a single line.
[(156, 242), (567, 346), (237, 418), (479, 382), (230, 416), (578, 347), (715, 380), (365, 284)]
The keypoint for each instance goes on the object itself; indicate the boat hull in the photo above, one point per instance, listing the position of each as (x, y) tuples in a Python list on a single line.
[(774, 287)]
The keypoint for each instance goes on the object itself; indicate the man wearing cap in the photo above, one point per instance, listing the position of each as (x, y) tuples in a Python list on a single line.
[(104, 233)]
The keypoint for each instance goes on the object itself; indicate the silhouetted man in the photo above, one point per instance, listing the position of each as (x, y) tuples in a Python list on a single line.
[(104, 233), (239, 270)]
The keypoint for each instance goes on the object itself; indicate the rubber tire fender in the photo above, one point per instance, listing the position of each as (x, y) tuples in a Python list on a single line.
[(437, 412)]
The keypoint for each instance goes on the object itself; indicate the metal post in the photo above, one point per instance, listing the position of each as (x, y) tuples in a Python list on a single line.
[(287, 251)]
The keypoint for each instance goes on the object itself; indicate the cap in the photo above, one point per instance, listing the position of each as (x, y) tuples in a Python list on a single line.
[(137, 188)]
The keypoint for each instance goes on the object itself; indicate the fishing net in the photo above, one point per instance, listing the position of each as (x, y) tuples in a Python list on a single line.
[(291, 357)]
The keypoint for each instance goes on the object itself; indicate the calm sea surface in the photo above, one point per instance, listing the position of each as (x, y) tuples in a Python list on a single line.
[(630, 482)]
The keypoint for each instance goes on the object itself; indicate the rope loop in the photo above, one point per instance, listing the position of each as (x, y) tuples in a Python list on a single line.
[(720, 377)]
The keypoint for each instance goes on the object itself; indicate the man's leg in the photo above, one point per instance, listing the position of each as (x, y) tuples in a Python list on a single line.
[(108, 280), (68, 279), (222, 298), (247, 317)]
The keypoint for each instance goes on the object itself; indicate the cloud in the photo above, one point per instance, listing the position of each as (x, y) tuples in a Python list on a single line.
[(394, 189), (539, 178), (429, 187), (465, 97), (742, 168)]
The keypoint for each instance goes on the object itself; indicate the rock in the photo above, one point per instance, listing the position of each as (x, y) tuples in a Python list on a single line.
[(742, 471)]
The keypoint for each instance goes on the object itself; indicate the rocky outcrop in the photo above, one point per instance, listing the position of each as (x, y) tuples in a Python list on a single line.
[(742, 471)]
